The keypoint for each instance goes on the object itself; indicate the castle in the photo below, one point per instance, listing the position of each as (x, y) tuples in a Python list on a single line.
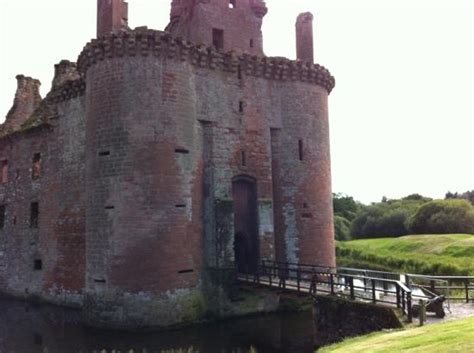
[(161, 161)]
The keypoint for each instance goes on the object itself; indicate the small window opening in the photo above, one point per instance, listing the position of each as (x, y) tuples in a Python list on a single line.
[(2, 216), (251, 43), (38, 265), (243, 159), (218, 38), (186, 271), (180, 206), (300, 149), (239, 72), (4, 171), (14, 220), (181, 150), (99, 280), (241, 107), (104, 153), (232, 4), (34, 215), (36, 168), (110, 207)]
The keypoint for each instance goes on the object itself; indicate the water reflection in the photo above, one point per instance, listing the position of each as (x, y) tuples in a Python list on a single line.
[(26, 327)]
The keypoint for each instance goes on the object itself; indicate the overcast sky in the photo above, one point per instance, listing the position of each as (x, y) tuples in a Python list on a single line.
[(401, 114)]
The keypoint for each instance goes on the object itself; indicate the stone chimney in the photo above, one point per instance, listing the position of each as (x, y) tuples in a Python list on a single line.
[(304, 37), (65, 71), (27, 99), (112, 16)]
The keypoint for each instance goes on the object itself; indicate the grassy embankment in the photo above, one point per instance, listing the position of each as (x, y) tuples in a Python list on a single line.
[(453, 336), (451, 254)]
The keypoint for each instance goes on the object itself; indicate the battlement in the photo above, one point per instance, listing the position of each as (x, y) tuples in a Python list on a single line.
[(145, 42)]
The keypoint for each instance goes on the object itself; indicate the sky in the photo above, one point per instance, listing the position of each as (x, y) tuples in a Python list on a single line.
[(401, 114)]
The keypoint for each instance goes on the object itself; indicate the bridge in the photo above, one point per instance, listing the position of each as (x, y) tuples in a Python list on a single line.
[(408, 292)]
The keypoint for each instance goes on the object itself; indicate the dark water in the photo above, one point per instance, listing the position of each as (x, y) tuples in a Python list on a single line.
[(26, 327)]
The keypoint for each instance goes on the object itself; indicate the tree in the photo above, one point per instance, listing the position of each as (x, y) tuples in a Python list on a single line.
[(345, 206), (387, 218), (443, 217), (342, 228)]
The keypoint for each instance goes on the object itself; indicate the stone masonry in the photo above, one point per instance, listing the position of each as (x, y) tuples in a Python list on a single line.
[(161, 162)]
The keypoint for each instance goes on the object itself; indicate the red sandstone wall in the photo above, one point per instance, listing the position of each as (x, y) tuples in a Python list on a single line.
[(195, 20), (144, 199), (59, 239), (302, 188)]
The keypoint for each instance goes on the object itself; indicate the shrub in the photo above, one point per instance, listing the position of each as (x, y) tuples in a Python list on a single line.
[(443, 217), (342, 228), (385, 219)]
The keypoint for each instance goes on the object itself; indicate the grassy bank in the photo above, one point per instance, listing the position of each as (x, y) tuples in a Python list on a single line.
[(451, 254), (454, 336)]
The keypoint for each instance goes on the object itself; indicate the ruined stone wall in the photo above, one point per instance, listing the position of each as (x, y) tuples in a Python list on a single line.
[(45, 258), (240, 22)]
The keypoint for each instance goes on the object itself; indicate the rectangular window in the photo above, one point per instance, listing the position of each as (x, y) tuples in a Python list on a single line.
[(218, 38), (4, 171), (34, 215), (36, 167), (241, 107), (251, 43), (300, 149), (2, 216), (243, 159), (38, 265)]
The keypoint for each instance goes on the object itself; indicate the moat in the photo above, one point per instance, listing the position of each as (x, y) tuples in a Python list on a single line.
[(29, 328)]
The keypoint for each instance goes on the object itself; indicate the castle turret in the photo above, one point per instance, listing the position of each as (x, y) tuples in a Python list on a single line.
[(112, 16), (27, 99), (304, 37), (65, 71), (225, 24)]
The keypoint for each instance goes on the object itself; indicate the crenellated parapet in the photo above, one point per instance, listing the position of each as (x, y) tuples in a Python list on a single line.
[(145, 42), (68, 90)]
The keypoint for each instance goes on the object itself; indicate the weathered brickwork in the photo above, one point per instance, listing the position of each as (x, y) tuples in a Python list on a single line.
[(161, 161)]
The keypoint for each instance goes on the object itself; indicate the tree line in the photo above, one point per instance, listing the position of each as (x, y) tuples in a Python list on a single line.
[(413, 214)]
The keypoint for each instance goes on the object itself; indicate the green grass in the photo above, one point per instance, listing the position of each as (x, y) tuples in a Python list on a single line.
[(453, 336), (451, 254)]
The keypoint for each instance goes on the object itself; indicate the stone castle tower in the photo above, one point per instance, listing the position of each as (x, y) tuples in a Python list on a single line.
[(163, 160)]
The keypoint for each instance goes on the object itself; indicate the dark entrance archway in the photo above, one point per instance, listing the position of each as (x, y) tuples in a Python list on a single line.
[(246, 243)]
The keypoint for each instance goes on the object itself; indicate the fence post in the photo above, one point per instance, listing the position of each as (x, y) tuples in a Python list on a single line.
[(398, 295), (466, 285), (374, 297), (433, 285), (403, 300), (409, 308), (270, 277), (422, 311), (351, 283), (298, 278), (331, 282)]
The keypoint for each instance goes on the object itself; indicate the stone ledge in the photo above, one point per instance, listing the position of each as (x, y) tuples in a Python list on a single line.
[(145, 42)]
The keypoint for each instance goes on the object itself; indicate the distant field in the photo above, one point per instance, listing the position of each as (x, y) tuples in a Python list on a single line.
[(453, 336), (451, 254)]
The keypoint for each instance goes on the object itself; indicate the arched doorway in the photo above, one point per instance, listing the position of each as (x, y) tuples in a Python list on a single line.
[(246, 243)]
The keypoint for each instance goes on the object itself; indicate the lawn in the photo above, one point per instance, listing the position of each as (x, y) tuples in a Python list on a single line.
[(451, 254), (453, 336)]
